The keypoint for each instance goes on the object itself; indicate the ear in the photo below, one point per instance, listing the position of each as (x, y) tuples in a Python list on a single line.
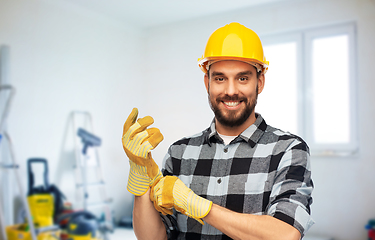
[(206, 81), (261, 82)]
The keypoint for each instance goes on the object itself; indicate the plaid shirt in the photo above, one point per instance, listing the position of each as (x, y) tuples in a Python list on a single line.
[(262, 171)]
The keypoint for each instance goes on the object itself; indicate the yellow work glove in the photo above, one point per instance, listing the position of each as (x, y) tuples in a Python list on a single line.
[(138, 141), (170, 192)]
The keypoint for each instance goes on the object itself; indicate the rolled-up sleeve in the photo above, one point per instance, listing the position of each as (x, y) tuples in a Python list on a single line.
[(292, 189)]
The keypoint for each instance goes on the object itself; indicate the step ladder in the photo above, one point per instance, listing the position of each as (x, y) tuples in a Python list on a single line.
[(90, 184), (6, 95)]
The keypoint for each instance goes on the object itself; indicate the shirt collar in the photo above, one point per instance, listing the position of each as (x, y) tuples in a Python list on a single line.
[(251, 135)]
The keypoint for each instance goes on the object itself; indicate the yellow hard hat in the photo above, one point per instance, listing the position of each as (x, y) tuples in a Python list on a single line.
[(234, 42)]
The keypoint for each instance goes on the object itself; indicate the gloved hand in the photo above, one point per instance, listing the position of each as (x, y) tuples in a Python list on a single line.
[(138, 141), (168, 192)]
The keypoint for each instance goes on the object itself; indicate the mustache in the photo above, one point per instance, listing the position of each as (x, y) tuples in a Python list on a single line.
[(231, 98)]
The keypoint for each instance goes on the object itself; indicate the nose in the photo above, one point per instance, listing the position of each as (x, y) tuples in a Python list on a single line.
[(231, 88)]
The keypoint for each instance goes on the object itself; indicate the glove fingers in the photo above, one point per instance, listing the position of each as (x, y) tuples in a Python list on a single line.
[(144, 123), (130, 120), (155, 136), (155, 194), (161, 209), (139, 126), (142, 142), (168, 190)]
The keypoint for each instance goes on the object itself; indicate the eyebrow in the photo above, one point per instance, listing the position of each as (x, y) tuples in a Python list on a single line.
[(244, 73), (213, 74)]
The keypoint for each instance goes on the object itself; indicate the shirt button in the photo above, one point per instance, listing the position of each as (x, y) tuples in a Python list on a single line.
[(219, 181), (225, 150)]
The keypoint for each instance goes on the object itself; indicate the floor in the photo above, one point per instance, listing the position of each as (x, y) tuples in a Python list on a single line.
[(122, 234)]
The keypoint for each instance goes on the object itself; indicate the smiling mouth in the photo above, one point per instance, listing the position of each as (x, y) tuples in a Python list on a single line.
[(232, 104)]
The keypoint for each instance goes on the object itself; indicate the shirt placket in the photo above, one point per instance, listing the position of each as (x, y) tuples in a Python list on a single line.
[(221, 188)]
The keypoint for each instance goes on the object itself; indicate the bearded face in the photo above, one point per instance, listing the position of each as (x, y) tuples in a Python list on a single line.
[(233, 118), (233, 88)]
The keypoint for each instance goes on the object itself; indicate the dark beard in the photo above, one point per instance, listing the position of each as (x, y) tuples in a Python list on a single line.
[(233, 119)]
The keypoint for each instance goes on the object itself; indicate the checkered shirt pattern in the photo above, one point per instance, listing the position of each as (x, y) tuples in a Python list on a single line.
[(263, 171)]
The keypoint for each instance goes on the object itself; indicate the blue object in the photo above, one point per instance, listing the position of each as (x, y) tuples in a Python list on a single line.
[(88, 139), (370, 224), (83, 223)]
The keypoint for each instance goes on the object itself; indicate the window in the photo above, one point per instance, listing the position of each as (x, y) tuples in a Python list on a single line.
[(310, 87)]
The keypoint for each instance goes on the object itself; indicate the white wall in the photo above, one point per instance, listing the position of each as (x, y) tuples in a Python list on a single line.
[(65, 58), (344, 197)]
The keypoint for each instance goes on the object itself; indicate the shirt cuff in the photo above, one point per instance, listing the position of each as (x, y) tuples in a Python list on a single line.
[(292, 213)]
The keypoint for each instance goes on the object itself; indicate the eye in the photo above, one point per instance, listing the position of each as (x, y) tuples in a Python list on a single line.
[(242, 79), (219, 79)]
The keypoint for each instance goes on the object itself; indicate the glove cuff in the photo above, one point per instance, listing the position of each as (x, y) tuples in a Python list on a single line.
[(189, 203), (198, 207), (137, 184)]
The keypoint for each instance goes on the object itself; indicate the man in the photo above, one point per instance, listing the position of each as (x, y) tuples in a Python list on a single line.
[(238, 179)]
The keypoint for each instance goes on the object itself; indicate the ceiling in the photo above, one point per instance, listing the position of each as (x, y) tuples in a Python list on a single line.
[(148, 13)]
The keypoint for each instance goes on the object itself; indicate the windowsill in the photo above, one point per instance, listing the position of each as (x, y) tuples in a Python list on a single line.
[(335, 154)]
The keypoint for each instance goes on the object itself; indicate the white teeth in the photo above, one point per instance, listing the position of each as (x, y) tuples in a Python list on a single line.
[(231, 104)]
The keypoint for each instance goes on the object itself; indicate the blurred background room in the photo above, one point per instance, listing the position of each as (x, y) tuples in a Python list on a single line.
[(98, 59)]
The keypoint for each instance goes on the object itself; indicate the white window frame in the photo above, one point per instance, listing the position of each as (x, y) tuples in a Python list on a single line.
[(304, 40)]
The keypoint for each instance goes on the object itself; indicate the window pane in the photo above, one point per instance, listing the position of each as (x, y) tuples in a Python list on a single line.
[(278, 101), (330, 76)]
